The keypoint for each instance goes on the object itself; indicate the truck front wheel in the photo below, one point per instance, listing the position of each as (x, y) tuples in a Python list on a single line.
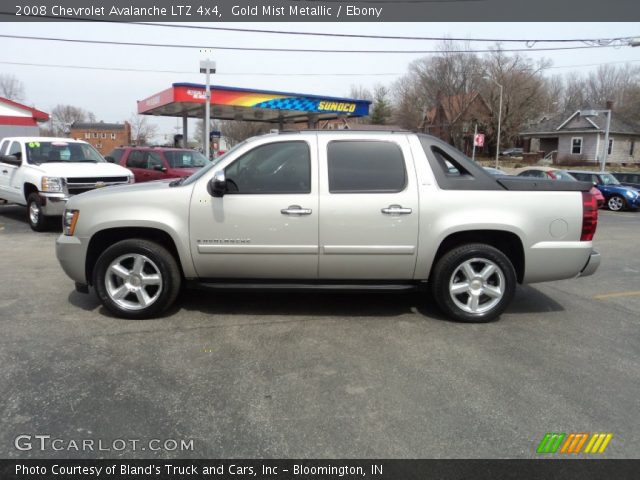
[(473, 283), (137, 279), (35, 214)]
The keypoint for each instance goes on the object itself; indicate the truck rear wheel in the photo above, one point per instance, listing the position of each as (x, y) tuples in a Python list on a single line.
[(137, 279), (473, 283)]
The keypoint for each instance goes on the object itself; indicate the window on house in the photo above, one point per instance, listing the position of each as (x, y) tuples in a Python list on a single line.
[(576, 145), (103, 135), (632, 145), (87, 135), (610, 149), (95, 134), (99, 145), (113, 136)]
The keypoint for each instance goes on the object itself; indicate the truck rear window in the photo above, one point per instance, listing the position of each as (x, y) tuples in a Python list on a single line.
[(364, 166)]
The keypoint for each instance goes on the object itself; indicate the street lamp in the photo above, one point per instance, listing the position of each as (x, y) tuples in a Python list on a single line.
[(594, 113), (499, 117), (207, 67)]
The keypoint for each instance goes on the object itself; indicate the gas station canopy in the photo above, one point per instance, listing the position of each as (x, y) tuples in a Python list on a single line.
[(186, 100)]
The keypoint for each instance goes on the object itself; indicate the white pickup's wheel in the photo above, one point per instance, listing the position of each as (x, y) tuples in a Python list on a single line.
[(35, 215), (473, 283), (137, 278)]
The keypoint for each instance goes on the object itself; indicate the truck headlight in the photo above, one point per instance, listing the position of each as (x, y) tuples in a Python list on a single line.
[(69, 220), (52, 184), (132, 179)]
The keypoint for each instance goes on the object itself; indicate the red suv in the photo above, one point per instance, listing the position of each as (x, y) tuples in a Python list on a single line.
[(158, 163)]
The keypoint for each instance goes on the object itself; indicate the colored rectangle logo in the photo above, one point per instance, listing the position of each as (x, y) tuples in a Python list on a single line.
[(573, 443)]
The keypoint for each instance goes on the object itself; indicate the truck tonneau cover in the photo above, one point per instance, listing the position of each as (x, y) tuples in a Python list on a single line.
[(530, 184)]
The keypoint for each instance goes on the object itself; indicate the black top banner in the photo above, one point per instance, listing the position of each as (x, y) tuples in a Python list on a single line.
[(323, 11), (318, 469)]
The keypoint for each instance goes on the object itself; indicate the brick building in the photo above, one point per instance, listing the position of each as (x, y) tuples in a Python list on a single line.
[(104, 136)]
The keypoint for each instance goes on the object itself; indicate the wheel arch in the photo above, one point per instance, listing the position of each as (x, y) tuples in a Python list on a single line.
[(103, 239), (507, 242)]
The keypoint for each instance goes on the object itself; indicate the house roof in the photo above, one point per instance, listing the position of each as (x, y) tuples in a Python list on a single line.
[(573, 122), (97, 126), (37, 115)]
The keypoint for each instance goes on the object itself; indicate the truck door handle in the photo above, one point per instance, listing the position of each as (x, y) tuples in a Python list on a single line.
[(5, 171), (295, 210), (396, 210)]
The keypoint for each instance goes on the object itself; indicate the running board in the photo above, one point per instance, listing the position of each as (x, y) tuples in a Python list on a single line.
[(300, 286)]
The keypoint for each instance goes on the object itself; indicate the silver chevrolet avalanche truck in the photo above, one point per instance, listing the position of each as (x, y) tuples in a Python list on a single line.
[(331, 210)]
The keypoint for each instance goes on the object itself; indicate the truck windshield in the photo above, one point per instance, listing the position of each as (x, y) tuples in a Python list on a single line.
[(185, 159), (61, 151)]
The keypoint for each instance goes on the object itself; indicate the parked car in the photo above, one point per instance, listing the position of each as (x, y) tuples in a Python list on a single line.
[(628, 179), (42, 173), (158, 163), (616, 196), (333, 209), (551, 173), (512, 152), (495, 171)]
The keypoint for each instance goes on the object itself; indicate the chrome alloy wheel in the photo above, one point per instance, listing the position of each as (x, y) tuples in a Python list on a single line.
[(34, 213), (477, 285), (133, 281), (615, 203)]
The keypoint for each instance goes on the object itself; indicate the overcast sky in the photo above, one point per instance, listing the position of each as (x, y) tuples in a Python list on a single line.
[(112, 95)]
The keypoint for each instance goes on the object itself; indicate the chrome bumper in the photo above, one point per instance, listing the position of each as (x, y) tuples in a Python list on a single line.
[(592, 265), (53, 203)]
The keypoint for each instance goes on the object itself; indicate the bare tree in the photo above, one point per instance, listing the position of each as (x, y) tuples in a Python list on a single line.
[(142, 132), (63, 116), (11, 87), (523, 96), (236, 131), (447, 79)]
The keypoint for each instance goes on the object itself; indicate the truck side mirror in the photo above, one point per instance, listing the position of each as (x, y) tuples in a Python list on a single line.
[(11, 160), (217, 186)]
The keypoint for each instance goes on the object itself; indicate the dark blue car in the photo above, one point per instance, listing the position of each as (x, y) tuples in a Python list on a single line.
[(616, 196)]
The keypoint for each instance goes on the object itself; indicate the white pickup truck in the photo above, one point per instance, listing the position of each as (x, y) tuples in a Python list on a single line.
[(331, 210), (44, 172)]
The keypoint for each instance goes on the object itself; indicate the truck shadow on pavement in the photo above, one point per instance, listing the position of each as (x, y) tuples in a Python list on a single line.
[(528, 300)]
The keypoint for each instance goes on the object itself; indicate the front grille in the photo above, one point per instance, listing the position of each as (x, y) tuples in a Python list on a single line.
[(94, 180), (78, 185), (78, 191)]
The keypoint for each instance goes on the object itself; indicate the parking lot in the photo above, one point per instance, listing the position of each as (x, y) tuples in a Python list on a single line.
[(276, 375)]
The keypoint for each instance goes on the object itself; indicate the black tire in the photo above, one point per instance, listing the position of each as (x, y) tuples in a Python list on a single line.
[(450, 270), (159, 262), (35, 215), (616, 203)]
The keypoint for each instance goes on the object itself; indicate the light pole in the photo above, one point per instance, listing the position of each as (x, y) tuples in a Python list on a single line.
[(594, 113), (207, 67), (499, 117)]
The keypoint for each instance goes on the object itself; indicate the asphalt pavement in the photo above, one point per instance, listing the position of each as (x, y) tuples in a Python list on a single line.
[(271, 375)]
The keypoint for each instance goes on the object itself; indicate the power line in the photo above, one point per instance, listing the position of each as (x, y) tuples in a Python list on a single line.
[(279, 74), (300, 50), (142, 70), (530, 41)]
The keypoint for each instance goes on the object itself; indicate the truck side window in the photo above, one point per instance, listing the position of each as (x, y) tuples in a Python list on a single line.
[(282, 167), (136, 159), (364, 166), (16, 149), (153, 161), (3, 146)]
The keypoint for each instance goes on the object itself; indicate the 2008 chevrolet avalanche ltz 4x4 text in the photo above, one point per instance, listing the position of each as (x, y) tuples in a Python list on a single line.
[(331, 209)]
